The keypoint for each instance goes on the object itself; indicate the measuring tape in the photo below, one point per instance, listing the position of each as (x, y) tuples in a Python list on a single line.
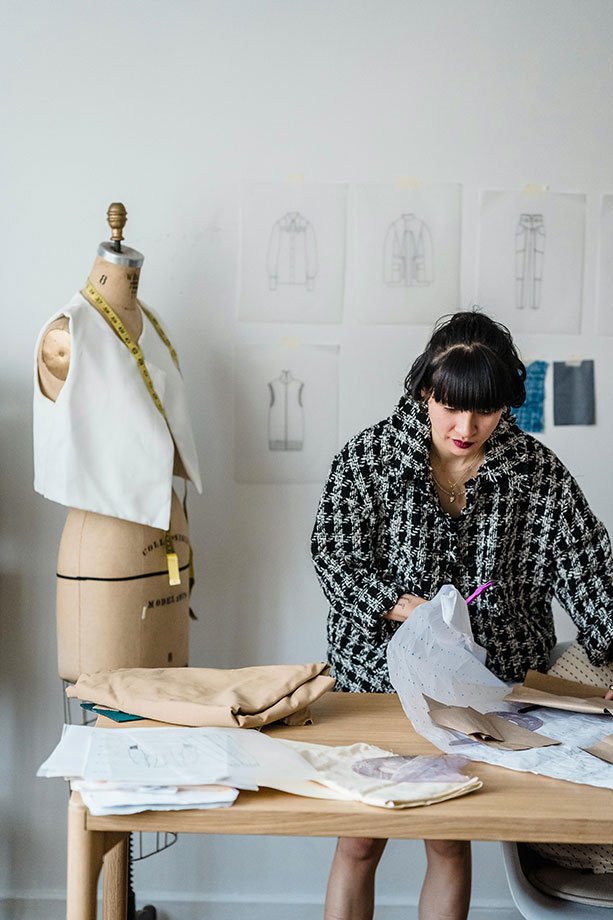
[(106, 311)]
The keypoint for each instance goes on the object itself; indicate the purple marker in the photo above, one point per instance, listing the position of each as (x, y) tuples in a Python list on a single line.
[(473, 597)]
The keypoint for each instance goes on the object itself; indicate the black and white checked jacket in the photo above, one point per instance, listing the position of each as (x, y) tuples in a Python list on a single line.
[(380, 532)]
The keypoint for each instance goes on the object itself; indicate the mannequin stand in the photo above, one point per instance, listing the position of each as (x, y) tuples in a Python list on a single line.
[(136, 841)]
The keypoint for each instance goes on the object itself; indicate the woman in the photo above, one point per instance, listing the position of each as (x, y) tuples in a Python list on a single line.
[(449, 490)]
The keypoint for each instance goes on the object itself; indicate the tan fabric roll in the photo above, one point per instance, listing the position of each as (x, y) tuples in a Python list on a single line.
[(238, 698)]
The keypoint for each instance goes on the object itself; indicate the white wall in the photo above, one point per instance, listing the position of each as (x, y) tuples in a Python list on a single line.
[(169, 107)]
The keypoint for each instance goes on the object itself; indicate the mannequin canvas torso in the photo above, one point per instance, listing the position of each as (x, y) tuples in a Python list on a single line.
[(115, 606)]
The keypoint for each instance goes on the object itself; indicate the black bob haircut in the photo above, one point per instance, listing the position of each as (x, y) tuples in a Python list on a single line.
[(470, 363)]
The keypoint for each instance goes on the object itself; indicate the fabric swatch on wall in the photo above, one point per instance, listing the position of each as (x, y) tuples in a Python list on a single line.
[(574, 401), (529, 417)]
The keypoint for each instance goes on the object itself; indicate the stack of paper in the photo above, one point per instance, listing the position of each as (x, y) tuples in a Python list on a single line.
[(131, 770)]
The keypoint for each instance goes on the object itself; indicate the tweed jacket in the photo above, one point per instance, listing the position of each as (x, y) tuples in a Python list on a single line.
[(381, 532)]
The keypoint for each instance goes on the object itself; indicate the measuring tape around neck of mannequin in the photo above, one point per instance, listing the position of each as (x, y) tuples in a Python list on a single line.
[(106, 311)]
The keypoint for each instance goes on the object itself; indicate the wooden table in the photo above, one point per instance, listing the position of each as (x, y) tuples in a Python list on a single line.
[(510, 806)]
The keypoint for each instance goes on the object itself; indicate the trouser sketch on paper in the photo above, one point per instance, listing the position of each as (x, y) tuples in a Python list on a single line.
[(529, 258)]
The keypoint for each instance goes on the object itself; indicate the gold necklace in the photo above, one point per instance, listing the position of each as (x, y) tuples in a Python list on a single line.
[(452, 493)]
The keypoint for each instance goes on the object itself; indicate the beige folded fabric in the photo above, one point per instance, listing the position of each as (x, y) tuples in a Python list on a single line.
[(559, 693), (236, 698)]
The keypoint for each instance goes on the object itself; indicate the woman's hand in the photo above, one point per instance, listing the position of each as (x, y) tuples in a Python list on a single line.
[(609, 694), (404, 607)]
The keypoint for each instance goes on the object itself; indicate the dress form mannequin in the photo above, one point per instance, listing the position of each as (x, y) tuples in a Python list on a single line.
[(116, 606)]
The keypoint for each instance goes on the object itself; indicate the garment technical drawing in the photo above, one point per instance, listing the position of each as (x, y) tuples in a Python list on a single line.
[(408, 253), (292, 252), (529, 258), (285, 413)]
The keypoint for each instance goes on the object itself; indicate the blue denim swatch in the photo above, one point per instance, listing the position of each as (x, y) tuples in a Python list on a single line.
[(529, 417)]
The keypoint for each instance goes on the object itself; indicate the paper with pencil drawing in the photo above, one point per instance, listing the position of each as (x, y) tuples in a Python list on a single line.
[(173, 756)]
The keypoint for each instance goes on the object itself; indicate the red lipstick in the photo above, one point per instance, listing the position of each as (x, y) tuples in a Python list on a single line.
[(463, 445)]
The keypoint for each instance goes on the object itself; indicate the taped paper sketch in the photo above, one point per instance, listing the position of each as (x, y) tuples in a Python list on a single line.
[(529, 258), (531, 246), (605, 291), (408, 254), (292, 252), (285, 413)]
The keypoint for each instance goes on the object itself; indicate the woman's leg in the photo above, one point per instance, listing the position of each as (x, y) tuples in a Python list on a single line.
[(445, 893), (351, 887)]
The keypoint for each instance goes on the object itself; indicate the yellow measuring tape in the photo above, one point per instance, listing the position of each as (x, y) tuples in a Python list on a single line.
[(97, 300)]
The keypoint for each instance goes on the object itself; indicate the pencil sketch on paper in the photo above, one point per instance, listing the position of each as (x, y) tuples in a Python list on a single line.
[(529, 258), (181, 753), (285, 413), (292, 252), (408, 253), (214, 748)]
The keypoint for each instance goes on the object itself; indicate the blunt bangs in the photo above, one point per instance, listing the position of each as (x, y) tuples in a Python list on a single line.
[(471, 379)]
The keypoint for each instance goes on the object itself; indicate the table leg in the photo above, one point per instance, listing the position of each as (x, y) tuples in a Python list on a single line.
[(115, 882), (86, 851)]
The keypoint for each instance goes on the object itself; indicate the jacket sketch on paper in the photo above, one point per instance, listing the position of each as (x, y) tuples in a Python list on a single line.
[(285, 413), (529, 258), (408, 253), (292, 252)]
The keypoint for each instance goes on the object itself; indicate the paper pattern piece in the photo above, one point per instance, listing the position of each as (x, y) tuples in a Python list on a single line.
[(490, 729), (292, 253), (603, 749), (558, 693), (605, 288), (406, 253), (286, 412), (531, 259), (433, 653), (574, 400), (530, 416)]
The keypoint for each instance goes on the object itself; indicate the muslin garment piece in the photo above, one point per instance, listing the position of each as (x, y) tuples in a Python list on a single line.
[(233, 698), (340, 777)]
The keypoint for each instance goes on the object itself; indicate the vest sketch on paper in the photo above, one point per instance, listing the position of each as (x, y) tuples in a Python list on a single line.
[(292, 252), (408, 253), (285, 413), (529, 257)]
